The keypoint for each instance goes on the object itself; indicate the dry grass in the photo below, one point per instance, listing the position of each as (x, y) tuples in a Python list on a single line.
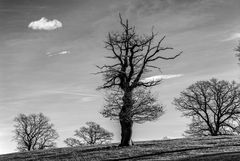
[(224, 148)]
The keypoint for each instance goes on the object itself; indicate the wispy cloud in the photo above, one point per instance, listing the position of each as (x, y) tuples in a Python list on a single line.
[(64, 52), (233, 37), (45, 24), (159, 77), (72, 92), (47, 93)]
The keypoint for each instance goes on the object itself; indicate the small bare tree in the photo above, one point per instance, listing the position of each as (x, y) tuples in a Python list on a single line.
[(214, 107), (34, 132), (133, 56), (145, 106), (93, 134)]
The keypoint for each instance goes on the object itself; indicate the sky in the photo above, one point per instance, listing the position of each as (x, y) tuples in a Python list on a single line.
[(49, 50)]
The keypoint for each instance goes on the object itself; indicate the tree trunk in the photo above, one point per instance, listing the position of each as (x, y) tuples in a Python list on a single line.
[(29, 148), (126, 132), (125, 118), (215, 133)]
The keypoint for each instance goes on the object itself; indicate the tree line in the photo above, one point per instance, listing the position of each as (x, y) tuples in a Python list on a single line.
[(212, 105)]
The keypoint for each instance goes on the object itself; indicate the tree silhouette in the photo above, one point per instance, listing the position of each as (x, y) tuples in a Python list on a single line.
[(133, 56), (93, 134), (34, 132), (214, 107)]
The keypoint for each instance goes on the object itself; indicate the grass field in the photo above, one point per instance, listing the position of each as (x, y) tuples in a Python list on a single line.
[(224, 148)]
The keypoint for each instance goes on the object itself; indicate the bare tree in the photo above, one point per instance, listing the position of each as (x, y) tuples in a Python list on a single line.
[(34, 132), (133, 56), (145, 106), (93, 134), (214, 107)]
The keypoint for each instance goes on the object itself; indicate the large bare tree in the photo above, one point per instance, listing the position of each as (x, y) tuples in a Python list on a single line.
[(92, 134), (145, 106), (214, 107), (34, 132), (133, 55)]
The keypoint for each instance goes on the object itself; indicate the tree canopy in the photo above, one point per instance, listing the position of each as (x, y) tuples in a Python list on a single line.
[(213, 106), (34, 132), (92, 134), (145, 106)]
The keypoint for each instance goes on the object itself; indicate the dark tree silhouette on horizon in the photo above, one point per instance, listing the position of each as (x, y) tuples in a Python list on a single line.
[(92, 134), (133, 56), (34, 132), (213, 106)]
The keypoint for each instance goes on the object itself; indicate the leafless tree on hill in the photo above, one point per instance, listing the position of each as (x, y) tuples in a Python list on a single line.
[(93, 134), (214, 107), (133, 56), (34, 132)]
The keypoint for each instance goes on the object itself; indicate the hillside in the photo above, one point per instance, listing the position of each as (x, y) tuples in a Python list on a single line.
[(224, 148)]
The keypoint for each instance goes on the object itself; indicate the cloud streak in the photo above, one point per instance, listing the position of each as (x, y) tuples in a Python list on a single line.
[(160, 77), (64, 52), (47, 93), (45, 24), (72, 92), (233, 37)]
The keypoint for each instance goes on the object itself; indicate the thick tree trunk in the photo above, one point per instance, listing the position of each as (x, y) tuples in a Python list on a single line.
[(29, 148), (125, 117), (126, 132), (215, 133)]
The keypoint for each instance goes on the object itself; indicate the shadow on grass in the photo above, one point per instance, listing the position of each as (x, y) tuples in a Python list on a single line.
[(227, 156), (223, 156), (157, 153)]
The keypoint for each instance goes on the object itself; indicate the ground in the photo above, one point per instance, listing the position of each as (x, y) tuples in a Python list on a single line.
[(221, 148)]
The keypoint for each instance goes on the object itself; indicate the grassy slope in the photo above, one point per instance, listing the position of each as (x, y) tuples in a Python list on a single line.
[(224, 148)]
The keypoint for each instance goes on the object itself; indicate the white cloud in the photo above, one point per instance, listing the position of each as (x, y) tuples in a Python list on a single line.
[(64, 52), (233, 37), (159, 77), (45, 24)]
